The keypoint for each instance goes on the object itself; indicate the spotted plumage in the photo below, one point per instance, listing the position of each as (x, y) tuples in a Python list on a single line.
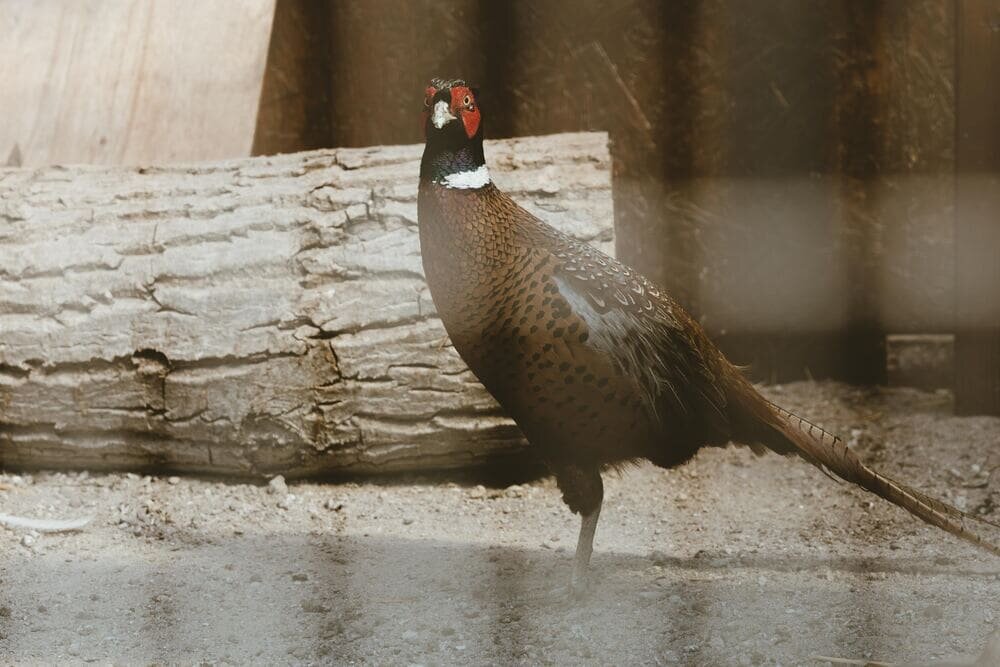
[(596, 364)]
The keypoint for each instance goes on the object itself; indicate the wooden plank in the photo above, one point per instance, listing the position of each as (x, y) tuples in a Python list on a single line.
[(775, 279), (858, 111), (252, 316), (912, 201), (130, 81), (977, 207), (295, 103)]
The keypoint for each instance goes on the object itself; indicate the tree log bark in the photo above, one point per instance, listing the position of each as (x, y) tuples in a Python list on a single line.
[(253, 316)]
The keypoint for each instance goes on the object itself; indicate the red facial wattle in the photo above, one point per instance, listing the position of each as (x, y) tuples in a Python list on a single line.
[(464, 106)]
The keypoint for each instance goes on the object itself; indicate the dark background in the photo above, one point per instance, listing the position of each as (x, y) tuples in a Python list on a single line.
[(786, 169)]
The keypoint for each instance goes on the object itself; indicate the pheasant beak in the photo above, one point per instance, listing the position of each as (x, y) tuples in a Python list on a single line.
[(442, 114)]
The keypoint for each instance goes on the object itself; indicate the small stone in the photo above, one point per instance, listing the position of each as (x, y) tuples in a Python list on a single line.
[(300, 577), (514, 491), (333, 505), (277, 486), (174, 480), (314, 607), (478, 492), (407, 520), (286, 502), (28, 540)]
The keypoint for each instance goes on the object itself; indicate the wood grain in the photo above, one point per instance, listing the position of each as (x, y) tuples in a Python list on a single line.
[(130, 81), (252, 316)]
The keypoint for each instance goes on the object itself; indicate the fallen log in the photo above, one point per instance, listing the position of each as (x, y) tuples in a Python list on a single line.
[(254, 316)]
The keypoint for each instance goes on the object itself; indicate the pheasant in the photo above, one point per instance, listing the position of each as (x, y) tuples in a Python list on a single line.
[(595, 363)]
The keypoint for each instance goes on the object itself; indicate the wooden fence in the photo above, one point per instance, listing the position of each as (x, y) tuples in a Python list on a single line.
[(786, 169)]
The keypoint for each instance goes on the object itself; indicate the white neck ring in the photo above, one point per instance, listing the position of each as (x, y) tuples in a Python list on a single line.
[(467, 180)]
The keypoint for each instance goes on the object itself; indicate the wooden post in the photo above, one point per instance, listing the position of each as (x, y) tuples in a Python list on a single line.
[(977, 208)]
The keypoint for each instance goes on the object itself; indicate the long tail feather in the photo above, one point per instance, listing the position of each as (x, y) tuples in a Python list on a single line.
[(832, 454)]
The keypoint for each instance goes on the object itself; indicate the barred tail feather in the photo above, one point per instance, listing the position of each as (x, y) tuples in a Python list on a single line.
[(832, 454)]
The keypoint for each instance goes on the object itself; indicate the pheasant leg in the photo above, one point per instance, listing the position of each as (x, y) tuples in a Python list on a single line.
[(584, 548)]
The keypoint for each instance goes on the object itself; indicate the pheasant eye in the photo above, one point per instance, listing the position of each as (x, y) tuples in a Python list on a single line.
[(467, 101), (427, 101)]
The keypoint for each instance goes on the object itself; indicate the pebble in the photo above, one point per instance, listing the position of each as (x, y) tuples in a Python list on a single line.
[(333, 505), (277, 486), (28, 540), (407, 520), (174, 480)]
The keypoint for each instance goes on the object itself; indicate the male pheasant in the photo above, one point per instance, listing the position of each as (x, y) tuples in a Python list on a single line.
[(596, 364)]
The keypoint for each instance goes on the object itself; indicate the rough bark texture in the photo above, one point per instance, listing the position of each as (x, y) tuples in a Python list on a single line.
[(253, 316)]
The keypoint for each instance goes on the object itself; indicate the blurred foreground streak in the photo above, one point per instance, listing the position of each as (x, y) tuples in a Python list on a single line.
[(251, 316)]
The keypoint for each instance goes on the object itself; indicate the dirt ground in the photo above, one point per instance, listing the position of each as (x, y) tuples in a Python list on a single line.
[(730, 560)]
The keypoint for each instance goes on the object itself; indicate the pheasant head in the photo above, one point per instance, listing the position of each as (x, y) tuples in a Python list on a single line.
[(453, 155)]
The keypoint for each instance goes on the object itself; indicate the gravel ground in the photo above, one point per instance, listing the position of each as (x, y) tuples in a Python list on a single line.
[(730, 560)]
